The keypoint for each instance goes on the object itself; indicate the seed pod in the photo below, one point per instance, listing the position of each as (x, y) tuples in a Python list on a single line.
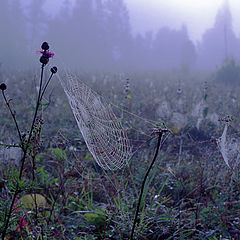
[(44, 59), (45, 46), (54, 70), (3, 86)]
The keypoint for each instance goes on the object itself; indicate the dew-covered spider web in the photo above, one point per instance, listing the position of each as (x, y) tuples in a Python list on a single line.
[(101, 125), (229, 147), (222, 145)]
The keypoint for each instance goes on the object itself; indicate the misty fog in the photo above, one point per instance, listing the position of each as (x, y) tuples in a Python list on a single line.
[(97, 35), (110, 133)]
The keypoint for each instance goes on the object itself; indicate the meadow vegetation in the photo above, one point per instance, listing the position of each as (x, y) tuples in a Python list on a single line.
[(191, 192)]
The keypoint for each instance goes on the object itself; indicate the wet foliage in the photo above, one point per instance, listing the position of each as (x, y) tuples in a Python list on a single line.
[(191, 192)]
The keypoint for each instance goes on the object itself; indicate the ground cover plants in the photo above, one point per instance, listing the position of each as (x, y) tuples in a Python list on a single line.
[(191, 192)]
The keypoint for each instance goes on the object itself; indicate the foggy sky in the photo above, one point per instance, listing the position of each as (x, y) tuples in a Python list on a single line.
[(104, 34), (197, 15)]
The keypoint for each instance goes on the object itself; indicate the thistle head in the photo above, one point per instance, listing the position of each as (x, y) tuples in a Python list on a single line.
[(3, 86), (46, 54), (53, 70)]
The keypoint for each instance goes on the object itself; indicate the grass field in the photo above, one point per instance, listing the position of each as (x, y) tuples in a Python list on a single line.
[(191, 193)]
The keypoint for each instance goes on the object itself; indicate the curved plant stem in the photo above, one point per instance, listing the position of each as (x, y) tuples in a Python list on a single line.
[(45, 87), (33, 123), (144, 182), (25, 149), (13, 116)]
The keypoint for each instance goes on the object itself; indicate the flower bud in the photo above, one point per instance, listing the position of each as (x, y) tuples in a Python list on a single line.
[(45, 46), (3, 86), (54, 70), (44, 59)]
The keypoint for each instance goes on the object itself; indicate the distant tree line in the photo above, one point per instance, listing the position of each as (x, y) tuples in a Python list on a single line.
[(96, 34)]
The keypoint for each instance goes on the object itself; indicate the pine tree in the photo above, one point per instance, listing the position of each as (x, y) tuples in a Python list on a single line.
[(172, 48), (119, 32), (219, 43), (4, 17), (13, 42), (18, 32), (59, 30), (37, 21)]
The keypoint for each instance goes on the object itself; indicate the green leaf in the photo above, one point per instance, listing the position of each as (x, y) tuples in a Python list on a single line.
[(95, 219), (59, 153), (33, 201)]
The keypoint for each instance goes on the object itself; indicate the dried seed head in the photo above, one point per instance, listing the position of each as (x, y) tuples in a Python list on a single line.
[(3, 86), (45, 46), (44, 59), (54, 70)]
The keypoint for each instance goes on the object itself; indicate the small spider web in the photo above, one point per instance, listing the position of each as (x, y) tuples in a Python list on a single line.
[(222, 145), (102, 131), (229, 148)]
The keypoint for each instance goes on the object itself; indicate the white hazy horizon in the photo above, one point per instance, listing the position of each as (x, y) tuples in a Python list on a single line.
[(197, 15)]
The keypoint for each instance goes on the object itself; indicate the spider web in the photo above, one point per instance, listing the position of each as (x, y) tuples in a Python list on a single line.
[(229, 148), (102, 131), (221, 142)]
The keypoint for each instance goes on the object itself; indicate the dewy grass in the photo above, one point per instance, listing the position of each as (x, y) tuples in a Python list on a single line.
[(193, 201), (26, 143)]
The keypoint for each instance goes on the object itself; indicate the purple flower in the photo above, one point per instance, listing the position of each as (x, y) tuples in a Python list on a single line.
[(45, 56), (46, 53)]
